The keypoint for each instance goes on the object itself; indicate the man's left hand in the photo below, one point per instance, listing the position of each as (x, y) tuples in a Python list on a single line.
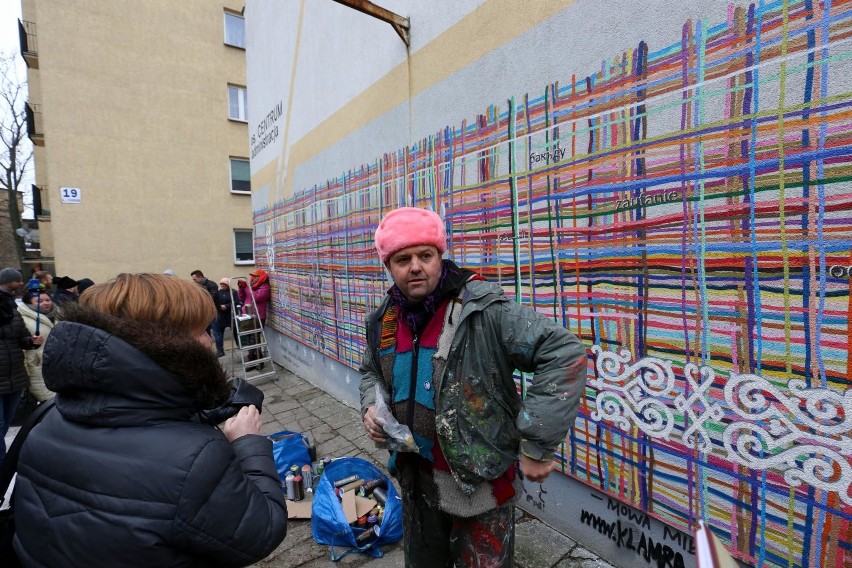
[(536, 470)]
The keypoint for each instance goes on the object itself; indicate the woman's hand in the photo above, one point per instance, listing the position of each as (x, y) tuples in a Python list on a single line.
[(247, 421)]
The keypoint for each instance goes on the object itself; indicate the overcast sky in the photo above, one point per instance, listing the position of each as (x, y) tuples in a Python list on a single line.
[(10, 11)]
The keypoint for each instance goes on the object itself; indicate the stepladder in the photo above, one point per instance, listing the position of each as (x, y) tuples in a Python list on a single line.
[(250, 357)]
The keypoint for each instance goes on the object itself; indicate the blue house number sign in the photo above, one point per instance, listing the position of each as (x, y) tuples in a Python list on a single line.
[(70, 194)]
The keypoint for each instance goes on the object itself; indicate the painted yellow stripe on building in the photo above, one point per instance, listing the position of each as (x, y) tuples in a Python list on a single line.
[(489, 26)]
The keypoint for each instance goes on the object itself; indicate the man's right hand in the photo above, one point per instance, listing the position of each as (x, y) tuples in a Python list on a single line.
[(374, 431)]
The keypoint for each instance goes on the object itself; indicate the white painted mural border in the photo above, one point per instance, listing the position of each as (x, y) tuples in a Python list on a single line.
[(804, 433)]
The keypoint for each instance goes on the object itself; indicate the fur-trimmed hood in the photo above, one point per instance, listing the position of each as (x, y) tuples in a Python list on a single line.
[(31, 315), (114, 371)]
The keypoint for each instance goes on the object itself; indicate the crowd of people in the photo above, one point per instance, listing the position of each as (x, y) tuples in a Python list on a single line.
[(132, 370), (133, 377)]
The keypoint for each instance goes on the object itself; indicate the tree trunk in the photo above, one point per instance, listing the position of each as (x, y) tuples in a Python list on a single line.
[(15, 216)]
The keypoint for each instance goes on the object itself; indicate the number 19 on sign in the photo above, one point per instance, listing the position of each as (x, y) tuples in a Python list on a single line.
[(69, 194)]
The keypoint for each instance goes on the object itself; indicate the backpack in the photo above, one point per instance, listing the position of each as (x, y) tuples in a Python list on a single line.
[(7, 472)]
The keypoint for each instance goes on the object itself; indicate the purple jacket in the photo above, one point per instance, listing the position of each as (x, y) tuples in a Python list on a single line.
[(262, 296)]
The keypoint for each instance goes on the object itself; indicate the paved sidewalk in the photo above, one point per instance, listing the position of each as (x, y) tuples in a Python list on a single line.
[(294, 404)]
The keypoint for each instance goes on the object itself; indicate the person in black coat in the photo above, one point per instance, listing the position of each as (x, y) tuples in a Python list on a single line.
[(14, 338), (227, 300), (66, 290), (122, 472), (199, 278)]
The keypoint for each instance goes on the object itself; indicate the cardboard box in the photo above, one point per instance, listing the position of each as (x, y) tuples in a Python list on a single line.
[(300, 509), (364, 505), (350, 509), (353, 507)]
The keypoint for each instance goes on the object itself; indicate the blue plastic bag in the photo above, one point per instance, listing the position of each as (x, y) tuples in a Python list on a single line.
[(328, 523), (288, 449)]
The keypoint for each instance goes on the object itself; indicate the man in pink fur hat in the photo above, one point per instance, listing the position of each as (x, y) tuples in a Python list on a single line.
[(441, 352)]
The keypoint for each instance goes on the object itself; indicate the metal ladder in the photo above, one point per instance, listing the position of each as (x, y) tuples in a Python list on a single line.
[(252, 339)]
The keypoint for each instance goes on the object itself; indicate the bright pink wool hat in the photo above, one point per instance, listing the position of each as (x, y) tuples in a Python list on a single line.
[(409, 226)]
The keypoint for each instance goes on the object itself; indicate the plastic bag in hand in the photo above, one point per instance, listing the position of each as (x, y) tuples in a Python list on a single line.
[(399, 436)]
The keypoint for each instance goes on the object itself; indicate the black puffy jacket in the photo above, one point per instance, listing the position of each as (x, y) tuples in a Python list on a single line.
[(121, 473), (14, 338)]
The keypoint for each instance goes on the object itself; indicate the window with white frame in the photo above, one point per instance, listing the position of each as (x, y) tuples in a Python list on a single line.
[(235, 30), (237, 103), (243, 246), (240, 176)]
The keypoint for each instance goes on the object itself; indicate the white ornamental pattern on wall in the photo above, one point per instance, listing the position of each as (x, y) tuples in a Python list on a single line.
[(805, 433)]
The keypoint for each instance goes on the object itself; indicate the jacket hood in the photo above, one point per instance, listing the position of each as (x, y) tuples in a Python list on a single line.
[(114, 371), (30, 314)]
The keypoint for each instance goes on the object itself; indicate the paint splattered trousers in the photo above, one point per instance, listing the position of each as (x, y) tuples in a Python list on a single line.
[(434, 539)]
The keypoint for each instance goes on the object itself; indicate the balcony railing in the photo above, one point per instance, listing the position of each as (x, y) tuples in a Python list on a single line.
[(34, 124), (29, 42)]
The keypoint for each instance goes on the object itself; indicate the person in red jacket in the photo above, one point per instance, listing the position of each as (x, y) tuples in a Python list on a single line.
[(258, 300), (261, 292)]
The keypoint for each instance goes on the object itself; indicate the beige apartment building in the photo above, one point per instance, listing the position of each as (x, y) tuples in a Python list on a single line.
[(139, 119)]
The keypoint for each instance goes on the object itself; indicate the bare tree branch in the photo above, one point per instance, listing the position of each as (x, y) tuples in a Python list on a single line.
[(15, 152)]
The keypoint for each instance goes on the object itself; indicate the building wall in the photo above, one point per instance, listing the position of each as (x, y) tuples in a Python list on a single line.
[(135, 112), (669, 180)]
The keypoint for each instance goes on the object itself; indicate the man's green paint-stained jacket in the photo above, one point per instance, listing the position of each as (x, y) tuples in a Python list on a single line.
[(480, 419)]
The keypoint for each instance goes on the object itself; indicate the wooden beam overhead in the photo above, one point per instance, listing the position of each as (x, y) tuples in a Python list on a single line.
[(400, 24)]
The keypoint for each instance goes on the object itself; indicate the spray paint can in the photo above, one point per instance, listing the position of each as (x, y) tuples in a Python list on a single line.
[(346, 480), (372, 484), (372, 520), (368, 535), (319, 468), (380, 496), (299, 489), (291, 488), (307, 476)]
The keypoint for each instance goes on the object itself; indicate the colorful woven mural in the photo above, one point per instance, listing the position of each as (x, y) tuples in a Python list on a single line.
[(686, 210)]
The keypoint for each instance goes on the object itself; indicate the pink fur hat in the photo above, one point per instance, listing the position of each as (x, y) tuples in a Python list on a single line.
[(409, 226)]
